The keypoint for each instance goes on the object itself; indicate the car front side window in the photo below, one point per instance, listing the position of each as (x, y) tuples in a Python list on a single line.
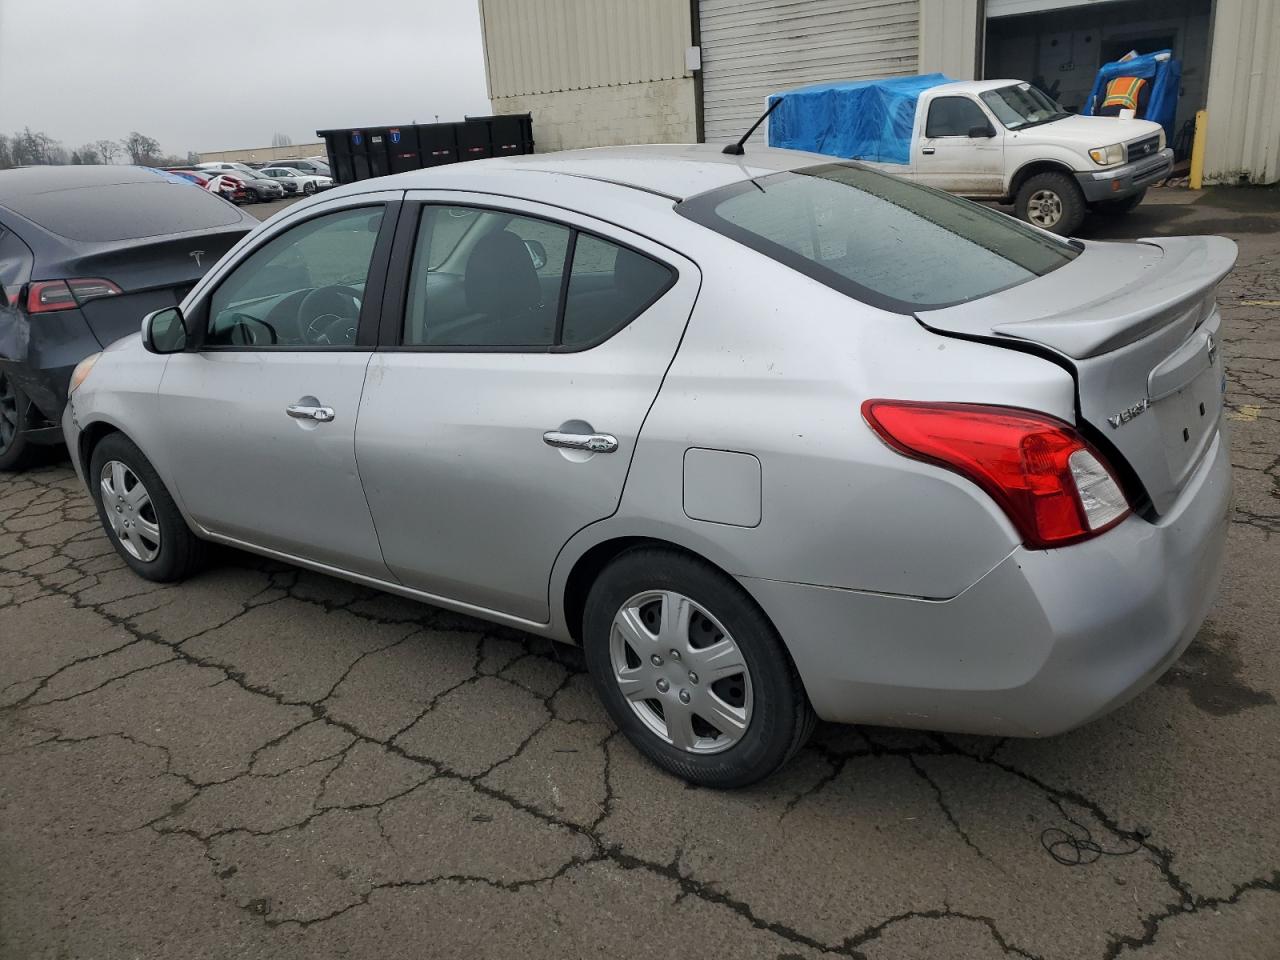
[(954, 117), (302, 289)]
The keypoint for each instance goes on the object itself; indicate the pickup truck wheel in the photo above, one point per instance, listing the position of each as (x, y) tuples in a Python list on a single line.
[(1117, 208), (1052, 201)]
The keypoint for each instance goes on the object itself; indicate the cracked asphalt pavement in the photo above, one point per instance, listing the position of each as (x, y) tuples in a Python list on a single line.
[(264, 762)]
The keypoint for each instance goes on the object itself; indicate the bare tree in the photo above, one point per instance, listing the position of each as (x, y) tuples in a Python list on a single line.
[(281, 140), (142, 150), (108, 150), (192, 158), (35, 147), (87, 153), (6, 158)]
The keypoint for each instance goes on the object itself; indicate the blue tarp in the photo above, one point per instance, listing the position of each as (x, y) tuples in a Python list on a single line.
[(853, 119), (1166, 77)]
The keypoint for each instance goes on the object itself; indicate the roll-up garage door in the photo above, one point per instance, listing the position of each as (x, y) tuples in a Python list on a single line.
[(752, 48)]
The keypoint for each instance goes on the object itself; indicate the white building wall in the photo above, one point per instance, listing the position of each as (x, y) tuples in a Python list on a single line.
[(592, 72), (1244, 93), (949, 38)]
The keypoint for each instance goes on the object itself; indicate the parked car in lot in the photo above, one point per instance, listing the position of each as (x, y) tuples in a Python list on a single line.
[(988, 139), (801, 439), (316, 166), (226, 186), (257, 188), (85, 252), (295, 181)]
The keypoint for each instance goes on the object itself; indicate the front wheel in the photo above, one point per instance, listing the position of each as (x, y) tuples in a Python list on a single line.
[(138, 514), (692, 671), (308, 188), (1118, 208), (1051, 201)]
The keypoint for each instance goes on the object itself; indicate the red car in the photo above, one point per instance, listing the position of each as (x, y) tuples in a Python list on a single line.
[(228, 186)]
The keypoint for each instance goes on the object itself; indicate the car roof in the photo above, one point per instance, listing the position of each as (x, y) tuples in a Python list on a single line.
[(674, 171), (973, 86), (26, 181)]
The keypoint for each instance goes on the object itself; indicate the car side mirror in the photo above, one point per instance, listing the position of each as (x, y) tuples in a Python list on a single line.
[(537, 253), (985, 132), (164, 331)]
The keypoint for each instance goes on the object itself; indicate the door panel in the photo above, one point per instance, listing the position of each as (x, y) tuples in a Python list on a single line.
[(470, 502), (250, 471), (949, 159)]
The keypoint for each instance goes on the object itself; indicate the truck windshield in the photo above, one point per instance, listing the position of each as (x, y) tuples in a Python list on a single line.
[(1022, 105), (878, 239)]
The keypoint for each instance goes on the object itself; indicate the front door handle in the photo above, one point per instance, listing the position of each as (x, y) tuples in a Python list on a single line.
[(306, 411), (591, 442), (929, 151)]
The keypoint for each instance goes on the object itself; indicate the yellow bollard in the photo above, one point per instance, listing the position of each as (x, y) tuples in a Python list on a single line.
[(1197, 150)]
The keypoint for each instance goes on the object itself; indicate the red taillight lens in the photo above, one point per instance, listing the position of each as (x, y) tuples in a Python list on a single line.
[(44, 296), (1052, 484)]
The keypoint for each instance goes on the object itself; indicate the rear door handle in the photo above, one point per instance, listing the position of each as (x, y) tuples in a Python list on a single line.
[(591, 442), (305, 411), (928, 150)]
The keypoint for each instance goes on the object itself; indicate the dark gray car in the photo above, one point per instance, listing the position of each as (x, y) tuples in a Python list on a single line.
[(85, 252)]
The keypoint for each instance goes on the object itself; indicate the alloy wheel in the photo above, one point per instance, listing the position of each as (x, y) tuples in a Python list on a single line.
[(1044, 209), (681, 672), (129, 510), (8, 413)]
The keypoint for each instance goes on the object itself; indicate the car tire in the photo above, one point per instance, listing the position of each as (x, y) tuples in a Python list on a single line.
[(630, 629), (252, 195), (16, 450), (166, 550), (1051, 201), (1118, 208), (308, 188)]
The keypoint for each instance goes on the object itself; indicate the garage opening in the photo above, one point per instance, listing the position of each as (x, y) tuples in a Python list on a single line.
[(1059, 45)]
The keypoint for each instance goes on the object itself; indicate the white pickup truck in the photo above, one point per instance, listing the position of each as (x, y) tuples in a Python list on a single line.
[(1005, 140)]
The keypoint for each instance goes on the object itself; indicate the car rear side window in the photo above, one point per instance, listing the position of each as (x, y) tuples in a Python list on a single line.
[(125, 211), (878, 239), (493, 280)]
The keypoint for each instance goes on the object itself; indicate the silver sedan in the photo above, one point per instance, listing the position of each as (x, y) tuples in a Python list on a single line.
[(772, 438)]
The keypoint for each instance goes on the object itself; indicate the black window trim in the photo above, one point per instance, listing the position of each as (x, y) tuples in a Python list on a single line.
[(700, 208), (953, 136), (375, 285), (396, 299)]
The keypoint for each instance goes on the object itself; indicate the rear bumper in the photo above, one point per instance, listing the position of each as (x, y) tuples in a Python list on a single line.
[(50, 350), (1046, 641), (1124, 181)]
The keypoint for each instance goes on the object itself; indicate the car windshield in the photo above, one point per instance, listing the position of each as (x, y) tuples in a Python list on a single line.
[(879, 239), (1022, 105)]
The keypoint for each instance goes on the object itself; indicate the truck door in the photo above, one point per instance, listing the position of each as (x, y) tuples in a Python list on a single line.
[(955, 153)]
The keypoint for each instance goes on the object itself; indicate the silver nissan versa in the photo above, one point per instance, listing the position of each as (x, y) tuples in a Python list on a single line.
[(773, 438)]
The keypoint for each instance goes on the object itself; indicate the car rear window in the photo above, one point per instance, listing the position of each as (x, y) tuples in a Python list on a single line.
[(125, 211), (878, 239)]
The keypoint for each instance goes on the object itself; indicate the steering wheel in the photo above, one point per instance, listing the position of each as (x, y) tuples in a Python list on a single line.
[(327, 316), (244, 332)]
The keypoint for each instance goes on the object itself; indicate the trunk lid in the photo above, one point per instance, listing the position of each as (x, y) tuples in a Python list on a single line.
[(1139, 326), (153, 273)]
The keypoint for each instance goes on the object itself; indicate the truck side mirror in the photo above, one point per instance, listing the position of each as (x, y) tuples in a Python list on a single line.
[(985, 132)]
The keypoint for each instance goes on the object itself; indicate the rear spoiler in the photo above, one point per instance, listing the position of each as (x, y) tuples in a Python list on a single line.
[(1189, 271)]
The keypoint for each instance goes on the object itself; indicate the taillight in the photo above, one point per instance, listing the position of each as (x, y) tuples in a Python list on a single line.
[(1054, 487), (44, 296)]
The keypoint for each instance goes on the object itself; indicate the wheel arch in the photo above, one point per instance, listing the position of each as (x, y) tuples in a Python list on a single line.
[(1029, 170)]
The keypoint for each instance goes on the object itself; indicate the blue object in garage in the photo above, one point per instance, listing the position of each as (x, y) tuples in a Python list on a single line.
[(858, 119), (1161, 69)]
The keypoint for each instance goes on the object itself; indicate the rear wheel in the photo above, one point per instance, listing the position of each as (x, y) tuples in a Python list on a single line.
[(140, 517), (15, 450), (692, 671), (308, 187), (1052, 201), (1117, 208)]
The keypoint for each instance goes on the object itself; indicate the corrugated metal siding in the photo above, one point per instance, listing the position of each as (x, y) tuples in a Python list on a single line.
[(949, 38), (1244, 88), (752, 48), (544, 46)]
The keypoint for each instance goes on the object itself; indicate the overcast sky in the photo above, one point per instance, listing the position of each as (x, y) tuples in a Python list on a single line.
[(229, 74)]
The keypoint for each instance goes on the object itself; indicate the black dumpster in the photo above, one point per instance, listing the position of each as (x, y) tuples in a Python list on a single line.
[(364, 152)]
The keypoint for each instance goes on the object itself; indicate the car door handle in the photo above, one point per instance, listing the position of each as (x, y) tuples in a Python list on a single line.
[(592, 442), (928, 150), (302, 411)]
